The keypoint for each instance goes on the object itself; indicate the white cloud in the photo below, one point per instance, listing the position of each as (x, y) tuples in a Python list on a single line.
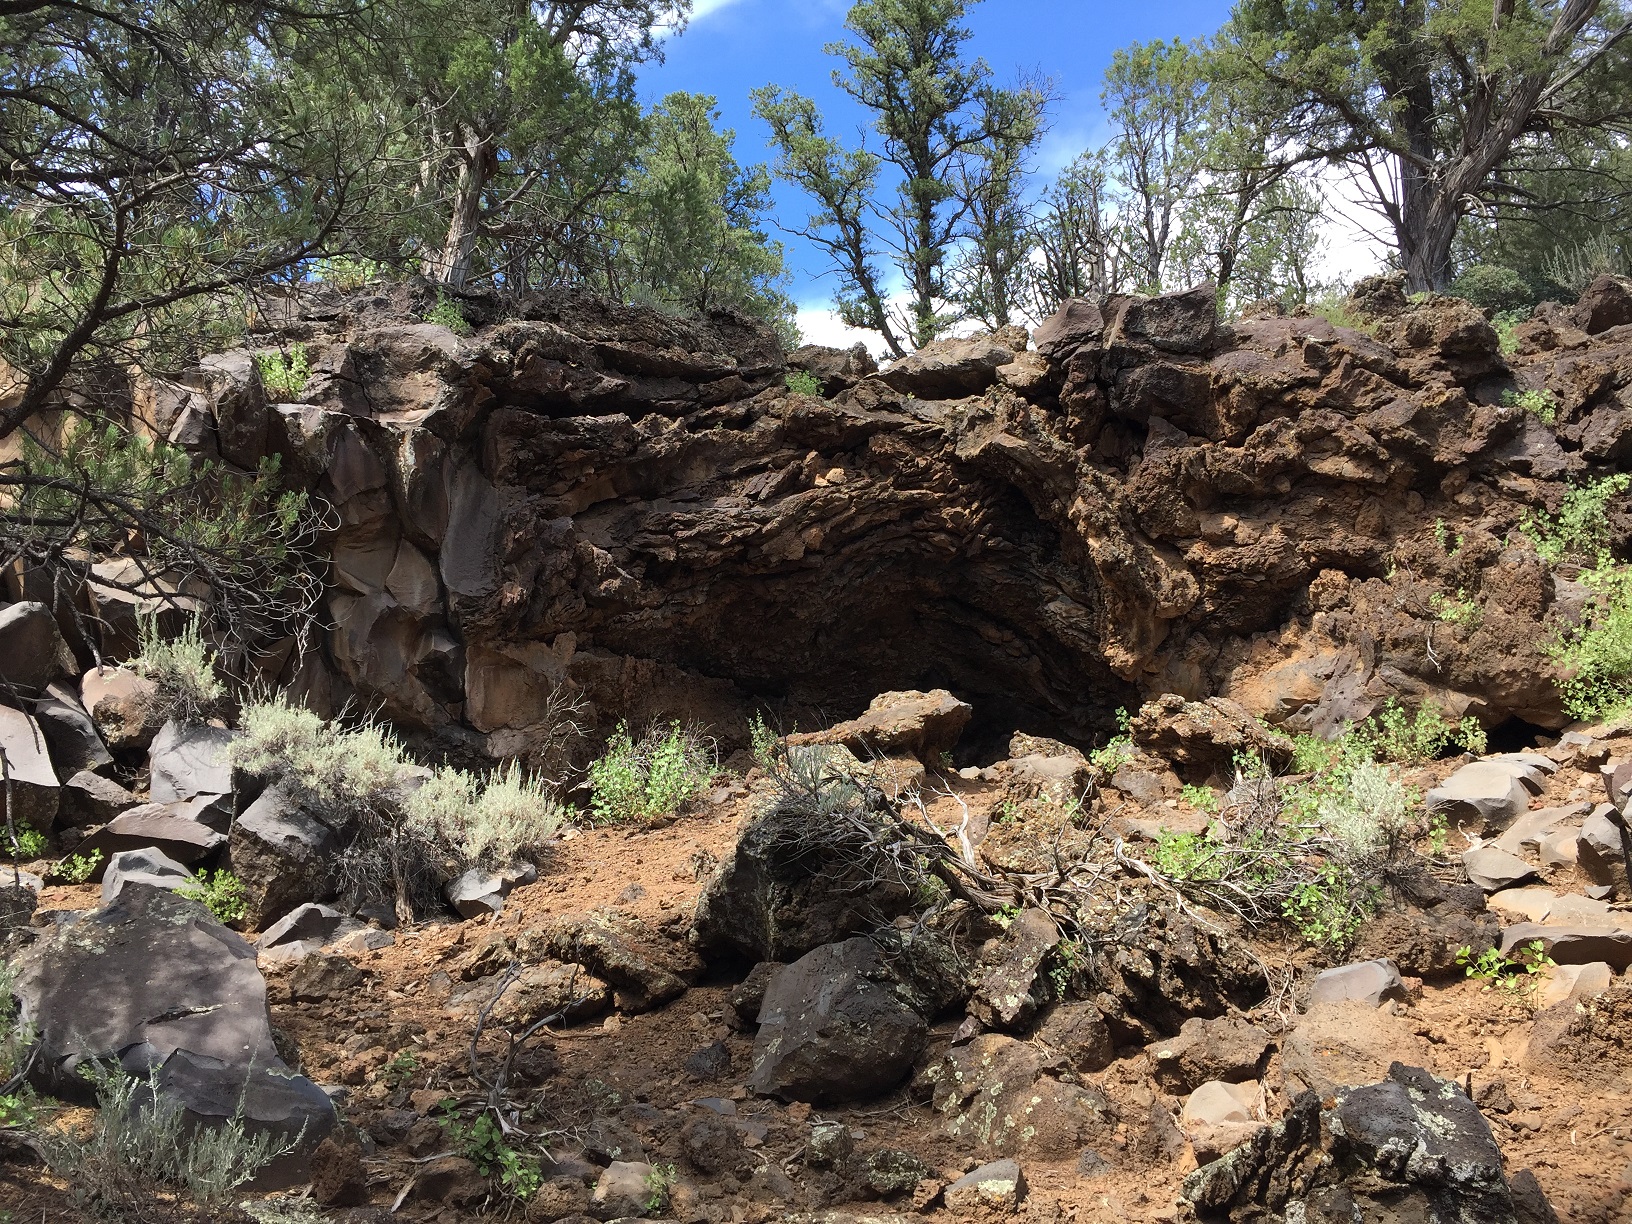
[(821, 325), (703, 8)]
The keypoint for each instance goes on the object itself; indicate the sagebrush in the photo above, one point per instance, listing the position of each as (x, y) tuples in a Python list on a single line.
[(182, 668)]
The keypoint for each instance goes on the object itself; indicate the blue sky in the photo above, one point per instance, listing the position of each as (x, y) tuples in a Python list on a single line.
[(733, 46)]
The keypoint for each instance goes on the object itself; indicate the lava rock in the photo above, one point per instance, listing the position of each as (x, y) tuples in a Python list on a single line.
[(997, 1187), (280, 855), (149, 867), (1493, 869), (120, 703), (1222, 1049), (832, 1028), (184, 761), (153, 981), (1006, 995), (1486, 796), (1078, 1032), (157, 825), (310, 923), (1369, 982), (645, 968), (90, 799), (73, 739), (32, 652), (323, 977), (35, 794), (1572, 944), (1201, 738), (911, 723)]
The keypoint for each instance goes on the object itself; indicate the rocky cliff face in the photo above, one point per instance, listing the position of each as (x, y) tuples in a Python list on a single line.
[(634, 507)]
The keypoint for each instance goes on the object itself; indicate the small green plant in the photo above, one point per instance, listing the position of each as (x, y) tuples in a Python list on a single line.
[(446, 313), (1334, 307), (1447, 539), (182, 669), (28, 846), (1506, 323), (651, 778), (1202, 798), (1116, 751), (1580, 532), (803, 382), (1069, 955), (222, 893), (763, 741), (1596, 655), (400, 1069), (1494, 970), (1439, 835), (1191, 857), (1393, 735), (77, 868), (1459, 610), (482, 1143), (1541, 404), (284, 375), (658, 1184), (141, 1138), (1331, 908)]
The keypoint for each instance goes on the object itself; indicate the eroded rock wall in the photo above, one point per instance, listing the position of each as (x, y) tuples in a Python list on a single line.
[(1149, 500)]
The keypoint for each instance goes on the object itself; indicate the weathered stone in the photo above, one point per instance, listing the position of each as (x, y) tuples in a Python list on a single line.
[(713, 1145), (89, 799), (1493, 869), (186, 761), (1077, 323), (1368, 982), (1080, 1035), (1006, 995), (1573, 944), (627, 1189), (892, 1171), (998, 1094), (1484, 796), (32, 652), (836, 369), (452, 1180), (645, 968), (1531, 830), (321, 977), (149, 867), (338, 1176), (280, 855), (120, 703), (69, 732), (309, 923), (946, 369), (175, 991), (998, 1187), (1221, 1049), (1201, 738), (1569, 983), (1605, 303), (746, 996), (832, 1028), (1602, 847), (478, 893), (156, 825), (35, 794), (923, 725)]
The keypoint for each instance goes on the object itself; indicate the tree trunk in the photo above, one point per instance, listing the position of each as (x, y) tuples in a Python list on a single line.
[(452, 265)]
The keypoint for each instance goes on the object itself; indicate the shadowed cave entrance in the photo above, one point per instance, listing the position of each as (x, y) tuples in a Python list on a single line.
[(997, 616)]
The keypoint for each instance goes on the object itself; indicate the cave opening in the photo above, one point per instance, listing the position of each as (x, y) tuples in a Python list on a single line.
[(1517, 735), (1004, 623)]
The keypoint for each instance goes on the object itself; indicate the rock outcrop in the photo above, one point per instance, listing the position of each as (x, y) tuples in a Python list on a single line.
[(633, 506)]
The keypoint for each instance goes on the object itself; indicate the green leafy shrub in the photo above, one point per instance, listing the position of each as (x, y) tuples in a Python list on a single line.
[(1116, 751), (763, 741), (803, 382), (182, 670), (1493, 287), (17, 1109), (482, 1143), (1331, 908), (77, 868), (446, 313), (658, 1184), (222, 894), (1506, 323), (1580, 531), (1202, 798), (1519, 975), (650, 778), (1393, 735), (284, 375), (28, 845), (1543, 405), (1596, 655)]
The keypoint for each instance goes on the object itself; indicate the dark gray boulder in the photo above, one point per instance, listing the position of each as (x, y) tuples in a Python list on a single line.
[(90, 799), (184, 761), (833, 1028), (154, 983), (32, 652), (152, 824), (280, 854), (1410, 1148), (310, 923), (148, 867), (72, 737), (35, 792)]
